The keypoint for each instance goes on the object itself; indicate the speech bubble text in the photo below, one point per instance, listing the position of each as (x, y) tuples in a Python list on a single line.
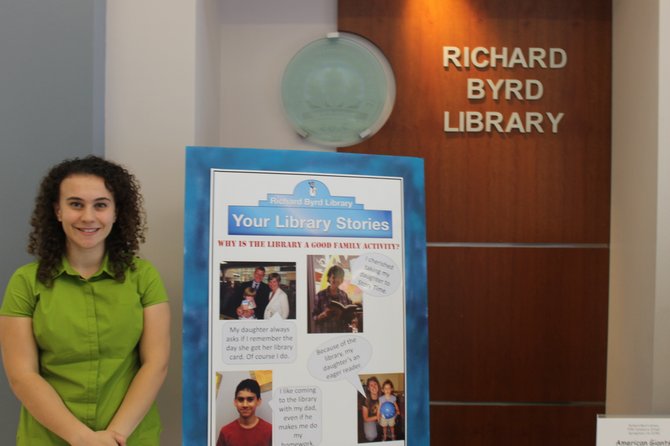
[(258, 342), (375, 274), (297, 416), (341, 358)]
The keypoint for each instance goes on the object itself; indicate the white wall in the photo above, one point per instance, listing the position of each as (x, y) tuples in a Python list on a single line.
[(149, 119), (633, 224), (638, 380), (258, 38), (661, 389), (196, 73)]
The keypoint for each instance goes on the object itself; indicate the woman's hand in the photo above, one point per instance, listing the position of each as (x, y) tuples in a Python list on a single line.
[(120, 439), (100, 438), (325, 314), (246, 314)]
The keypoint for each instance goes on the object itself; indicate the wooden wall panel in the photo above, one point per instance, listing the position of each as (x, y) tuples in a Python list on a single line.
[(510, 324), (492, 187), (514, 425), (517, 324)]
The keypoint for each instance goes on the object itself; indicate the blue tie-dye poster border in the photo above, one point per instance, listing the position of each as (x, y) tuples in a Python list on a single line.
[(199, 162)]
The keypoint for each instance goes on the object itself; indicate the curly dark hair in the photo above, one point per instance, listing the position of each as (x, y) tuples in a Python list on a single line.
[(47, 241)]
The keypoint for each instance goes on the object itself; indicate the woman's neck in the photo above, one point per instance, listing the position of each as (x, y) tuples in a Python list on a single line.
[(85, 262)]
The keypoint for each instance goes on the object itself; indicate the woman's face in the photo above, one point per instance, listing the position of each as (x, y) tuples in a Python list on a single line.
[(335, 282), (87, 211), (373, 387), (273, 284)]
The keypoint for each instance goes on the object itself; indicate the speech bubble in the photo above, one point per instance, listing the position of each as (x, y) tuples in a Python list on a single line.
[(375, 274), (341, 358), (259, 342), (296, 416)]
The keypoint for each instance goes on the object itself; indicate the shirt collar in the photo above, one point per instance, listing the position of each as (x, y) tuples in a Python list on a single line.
[(66, 268)]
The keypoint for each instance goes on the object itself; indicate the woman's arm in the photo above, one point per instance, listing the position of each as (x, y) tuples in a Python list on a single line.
[(154, 357), (366, 414), (316, 311), (20, 358), (283, 305)]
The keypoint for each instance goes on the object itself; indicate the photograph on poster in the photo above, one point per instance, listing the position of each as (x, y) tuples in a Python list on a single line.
[(335, 303), (257, 290), (381, 412), (243, 410)]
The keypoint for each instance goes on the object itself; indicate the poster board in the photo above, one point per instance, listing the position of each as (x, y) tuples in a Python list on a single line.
[(301, 216)]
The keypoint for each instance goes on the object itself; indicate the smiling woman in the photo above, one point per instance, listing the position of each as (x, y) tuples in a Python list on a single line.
[(84, 329)]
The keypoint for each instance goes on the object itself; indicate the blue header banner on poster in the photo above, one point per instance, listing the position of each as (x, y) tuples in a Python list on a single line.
[(310, 211), (302, 215), (247, 220)]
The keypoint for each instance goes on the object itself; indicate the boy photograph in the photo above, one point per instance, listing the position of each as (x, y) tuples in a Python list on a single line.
[(248, 428)]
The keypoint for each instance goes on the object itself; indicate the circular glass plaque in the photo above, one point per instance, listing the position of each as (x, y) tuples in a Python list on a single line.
[(338, 90)]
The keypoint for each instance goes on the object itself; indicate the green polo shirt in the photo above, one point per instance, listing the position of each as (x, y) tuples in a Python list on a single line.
[(87, 332)]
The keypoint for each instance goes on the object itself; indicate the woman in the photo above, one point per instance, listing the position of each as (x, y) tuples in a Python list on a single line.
[(370, 409), (278, 299), (333, 311), (84, 329)]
